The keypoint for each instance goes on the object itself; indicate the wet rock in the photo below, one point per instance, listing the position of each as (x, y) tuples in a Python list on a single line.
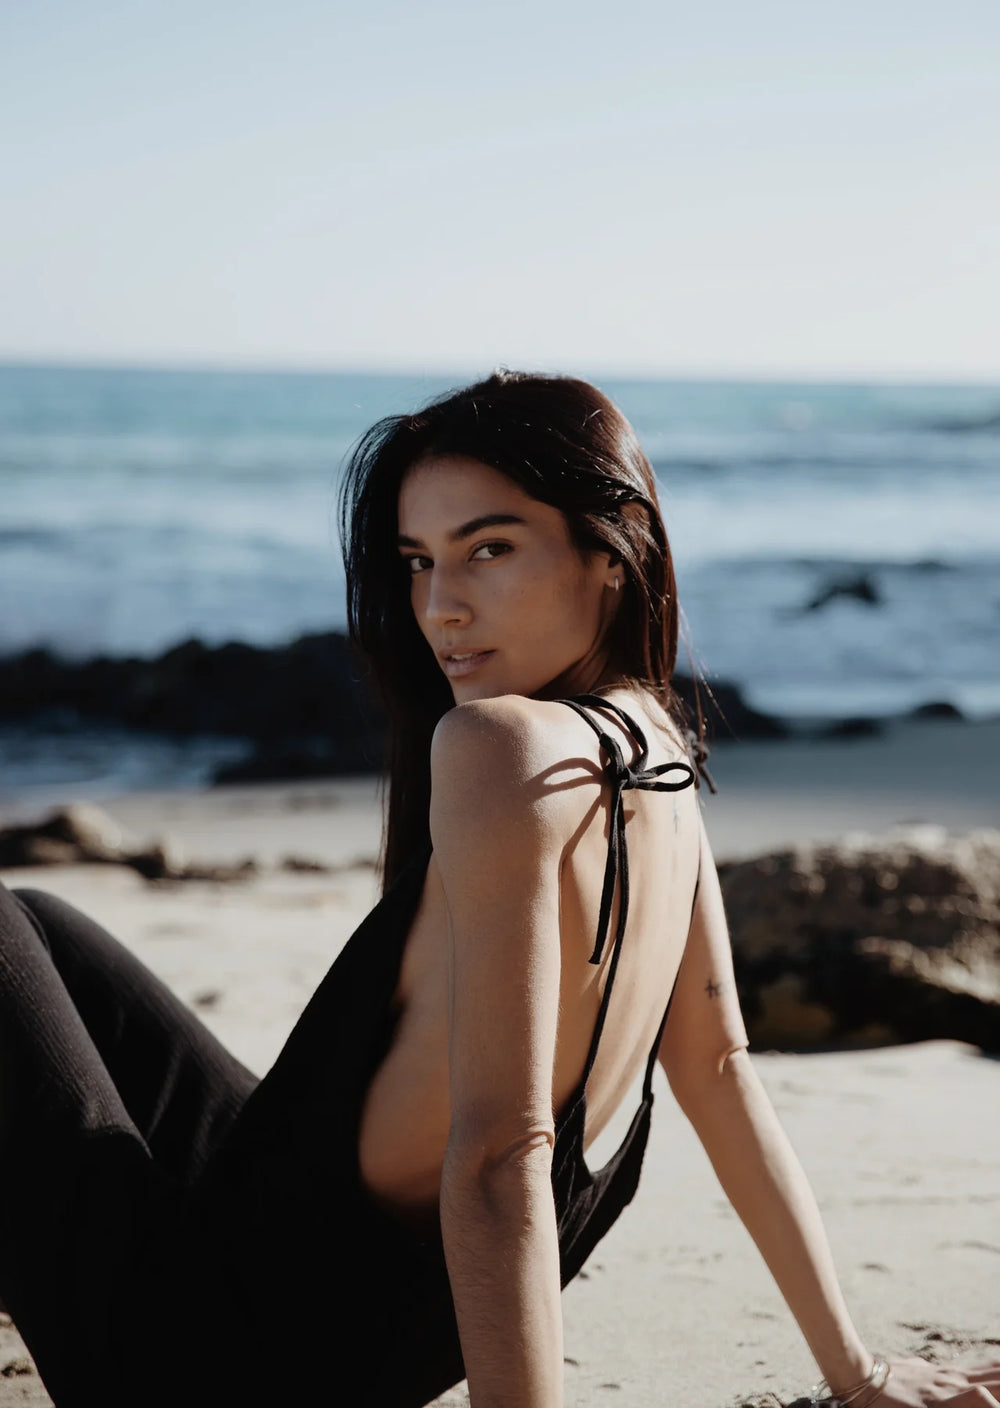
[(313, 687), (859, 727), (738, 720), (861, 587), (869, 940), (307, 706), (297, 759), (936, 709)]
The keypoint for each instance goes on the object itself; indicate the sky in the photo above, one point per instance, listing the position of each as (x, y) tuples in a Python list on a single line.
[(631, 188)]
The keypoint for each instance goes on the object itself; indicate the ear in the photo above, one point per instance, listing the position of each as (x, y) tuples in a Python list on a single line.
[(612, 570)]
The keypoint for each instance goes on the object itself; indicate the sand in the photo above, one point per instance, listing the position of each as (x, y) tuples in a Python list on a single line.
[(902, 1144)]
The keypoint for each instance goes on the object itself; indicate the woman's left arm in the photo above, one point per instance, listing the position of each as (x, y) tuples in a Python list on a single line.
[(498, 854)]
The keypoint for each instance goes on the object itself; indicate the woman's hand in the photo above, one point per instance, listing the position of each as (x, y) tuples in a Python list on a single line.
[(915, 1383)]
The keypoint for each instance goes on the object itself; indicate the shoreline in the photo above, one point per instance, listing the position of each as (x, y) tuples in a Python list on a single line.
[(935, 770), (199, 715)]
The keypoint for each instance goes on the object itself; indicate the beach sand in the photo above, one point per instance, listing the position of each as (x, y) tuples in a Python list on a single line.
[(902, 1144)]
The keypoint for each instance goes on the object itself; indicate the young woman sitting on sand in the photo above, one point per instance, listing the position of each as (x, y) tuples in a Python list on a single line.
[(398, 1202)]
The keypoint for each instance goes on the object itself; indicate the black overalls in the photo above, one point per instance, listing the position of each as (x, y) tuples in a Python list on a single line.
[(173, 1231)]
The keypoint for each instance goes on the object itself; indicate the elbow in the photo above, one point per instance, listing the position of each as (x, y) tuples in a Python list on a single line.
[(486, 1154), (495, 1169), (693, 1083)]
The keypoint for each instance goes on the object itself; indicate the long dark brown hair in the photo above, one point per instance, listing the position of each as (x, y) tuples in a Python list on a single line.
[(566, 444)]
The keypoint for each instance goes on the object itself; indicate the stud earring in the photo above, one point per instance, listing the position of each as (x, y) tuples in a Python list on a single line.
[(618, 582)]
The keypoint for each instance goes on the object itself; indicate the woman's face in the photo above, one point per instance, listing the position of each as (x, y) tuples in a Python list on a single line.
[(504, 598)]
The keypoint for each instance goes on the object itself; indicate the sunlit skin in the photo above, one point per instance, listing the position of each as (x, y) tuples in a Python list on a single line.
[(496, 1000), (519, 589)]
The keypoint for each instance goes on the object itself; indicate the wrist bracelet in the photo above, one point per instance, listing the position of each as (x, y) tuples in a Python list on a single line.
[(878, 1383), (875, 1381)]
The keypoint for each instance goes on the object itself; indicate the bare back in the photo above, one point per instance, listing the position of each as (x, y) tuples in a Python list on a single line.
[(407, 1115)]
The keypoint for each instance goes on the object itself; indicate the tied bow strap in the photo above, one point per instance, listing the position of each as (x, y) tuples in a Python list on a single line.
[(622, 776)]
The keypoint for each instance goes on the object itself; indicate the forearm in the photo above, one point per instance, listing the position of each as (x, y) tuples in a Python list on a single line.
[(500, 1241), (763, 1179)]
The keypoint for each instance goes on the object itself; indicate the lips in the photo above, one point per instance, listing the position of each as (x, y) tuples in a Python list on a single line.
[(457, 663)]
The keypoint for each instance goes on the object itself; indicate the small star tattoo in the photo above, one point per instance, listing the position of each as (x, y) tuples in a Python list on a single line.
[(713, 989)]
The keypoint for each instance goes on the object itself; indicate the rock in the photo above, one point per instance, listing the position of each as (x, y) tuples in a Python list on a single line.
[(861, 587), (725, 700), (313, 687), (79, 832), (305, 865), (937, 709), (307, 707), (87, 826), (159, 861), (39, 850), (82, 833), (869, 940), (296, 759), (855, 727)]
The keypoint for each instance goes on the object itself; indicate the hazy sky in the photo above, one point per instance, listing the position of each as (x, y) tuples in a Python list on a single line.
[(602, 185)]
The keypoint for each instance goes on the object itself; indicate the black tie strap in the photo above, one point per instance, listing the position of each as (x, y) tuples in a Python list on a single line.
[(621, 776)]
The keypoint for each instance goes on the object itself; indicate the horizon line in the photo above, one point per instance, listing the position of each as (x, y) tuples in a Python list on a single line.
[(400, 371)]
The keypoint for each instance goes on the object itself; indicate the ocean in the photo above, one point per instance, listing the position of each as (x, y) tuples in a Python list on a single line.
[(837, 546)]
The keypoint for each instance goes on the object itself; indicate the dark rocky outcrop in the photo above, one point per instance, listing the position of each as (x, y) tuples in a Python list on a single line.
[(860, 587), (937, 709), (235, 689), (869, 940), (738, 720), (306, 707), (854, 727)]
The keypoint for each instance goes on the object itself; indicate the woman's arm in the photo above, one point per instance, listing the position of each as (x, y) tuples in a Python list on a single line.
[(763, 1179), (704, 1054), (498, 852)]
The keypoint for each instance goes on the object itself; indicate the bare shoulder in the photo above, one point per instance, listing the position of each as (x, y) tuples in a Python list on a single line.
[(491, 732), (491, 764)]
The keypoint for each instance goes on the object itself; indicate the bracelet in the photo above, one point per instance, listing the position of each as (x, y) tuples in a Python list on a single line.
[(879, 1382), (875, 1380)]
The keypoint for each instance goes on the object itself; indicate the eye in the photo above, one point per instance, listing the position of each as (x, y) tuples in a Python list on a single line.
[(491, 550), (417, 563)]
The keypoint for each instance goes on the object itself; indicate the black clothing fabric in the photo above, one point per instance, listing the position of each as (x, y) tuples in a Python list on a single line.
[(589, 1203), (173, 1230)]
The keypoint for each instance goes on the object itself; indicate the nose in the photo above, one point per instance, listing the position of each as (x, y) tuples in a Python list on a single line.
[(446, 604)]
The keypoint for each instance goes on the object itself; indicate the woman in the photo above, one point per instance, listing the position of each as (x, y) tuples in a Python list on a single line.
[(399, 1201)]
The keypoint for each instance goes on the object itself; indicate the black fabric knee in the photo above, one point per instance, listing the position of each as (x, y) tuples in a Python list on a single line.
[(112, 1096), (181, 1087)]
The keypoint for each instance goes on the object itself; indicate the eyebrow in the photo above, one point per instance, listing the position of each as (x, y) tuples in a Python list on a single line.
[(474, 525)]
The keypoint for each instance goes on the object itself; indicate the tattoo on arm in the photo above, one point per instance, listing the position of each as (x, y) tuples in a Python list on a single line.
[(714, 989)]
